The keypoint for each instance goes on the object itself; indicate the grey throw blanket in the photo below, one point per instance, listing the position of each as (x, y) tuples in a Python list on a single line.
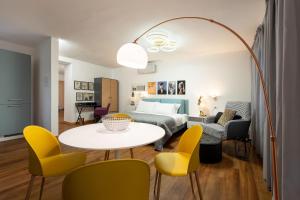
[(165, 122)]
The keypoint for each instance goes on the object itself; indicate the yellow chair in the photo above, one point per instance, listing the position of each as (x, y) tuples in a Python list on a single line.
[(181, 163), (45, 157), (109, 180), (119, 115)]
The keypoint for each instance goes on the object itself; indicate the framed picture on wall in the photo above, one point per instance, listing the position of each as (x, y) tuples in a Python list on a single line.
[(91, 86), (77, 85), (172, 88), (181, 87), (88, 96), (84, 85), (79, 96), (162, 87), (152, 88)]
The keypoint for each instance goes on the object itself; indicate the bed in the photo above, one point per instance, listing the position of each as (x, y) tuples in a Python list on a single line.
[(170, 122)]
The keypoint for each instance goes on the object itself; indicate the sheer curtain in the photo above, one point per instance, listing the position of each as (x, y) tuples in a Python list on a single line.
[(277, 46), (259, 128)]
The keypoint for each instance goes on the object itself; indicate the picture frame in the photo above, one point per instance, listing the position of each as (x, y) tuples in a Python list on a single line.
[(161, 87), (172, 88), (152, 88), (181, 89), (91, 86), (77, 85), (88, 96), (84, 85), (79, 96)]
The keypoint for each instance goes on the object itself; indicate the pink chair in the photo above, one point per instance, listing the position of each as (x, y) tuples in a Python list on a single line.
[(99, 112)]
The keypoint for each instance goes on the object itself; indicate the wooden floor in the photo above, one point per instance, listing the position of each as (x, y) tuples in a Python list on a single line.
[(232, 179)]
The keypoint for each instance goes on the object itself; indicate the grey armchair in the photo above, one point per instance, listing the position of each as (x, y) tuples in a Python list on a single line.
[(234, 129)]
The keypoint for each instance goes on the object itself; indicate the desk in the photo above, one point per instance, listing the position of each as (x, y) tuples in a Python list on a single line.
[(80, 106), (96, 137)]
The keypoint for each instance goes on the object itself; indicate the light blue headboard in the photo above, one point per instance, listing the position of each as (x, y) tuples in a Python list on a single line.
[(184, 103)]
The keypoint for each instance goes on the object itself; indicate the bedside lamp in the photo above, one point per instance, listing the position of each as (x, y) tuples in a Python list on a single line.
[(200, 104)]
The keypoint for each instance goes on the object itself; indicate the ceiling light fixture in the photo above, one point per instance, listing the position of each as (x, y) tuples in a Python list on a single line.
[(160, 41)]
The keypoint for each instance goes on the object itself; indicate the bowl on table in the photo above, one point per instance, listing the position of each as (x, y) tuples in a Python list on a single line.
[(116, 123)]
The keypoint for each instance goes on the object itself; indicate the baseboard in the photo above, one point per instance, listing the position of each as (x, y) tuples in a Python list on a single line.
[(74, 123), (10, 138), (69, 123)]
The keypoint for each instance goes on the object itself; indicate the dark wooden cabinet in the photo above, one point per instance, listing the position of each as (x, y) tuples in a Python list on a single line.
[(107, 91)]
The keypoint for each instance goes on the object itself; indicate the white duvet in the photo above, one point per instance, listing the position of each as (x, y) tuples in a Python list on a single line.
[(180, 119)]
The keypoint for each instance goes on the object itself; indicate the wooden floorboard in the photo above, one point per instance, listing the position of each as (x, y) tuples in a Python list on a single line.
[(231, 179)]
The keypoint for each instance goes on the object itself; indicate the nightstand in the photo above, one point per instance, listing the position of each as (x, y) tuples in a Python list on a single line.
[(195, 120)]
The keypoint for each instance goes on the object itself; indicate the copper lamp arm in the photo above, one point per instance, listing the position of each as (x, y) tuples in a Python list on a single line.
[(262, 83)]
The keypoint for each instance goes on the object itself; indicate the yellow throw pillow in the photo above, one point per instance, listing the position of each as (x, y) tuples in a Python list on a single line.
[(226, 116)]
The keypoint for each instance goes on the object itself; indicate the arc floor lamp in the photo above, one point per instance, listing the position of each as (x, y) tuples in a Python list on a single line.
[(134, 56)]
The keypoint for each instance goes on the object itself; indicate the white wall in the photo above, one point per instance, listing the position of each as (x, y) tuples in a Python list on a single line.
[(17, 48), (79, 71), (61, 77), (46, 85), (226, 74), (54, 85)]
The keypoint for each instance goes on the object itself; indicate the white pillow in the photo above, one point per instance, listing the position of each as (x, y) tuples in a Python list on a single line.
[(147, 107), (165, 108)]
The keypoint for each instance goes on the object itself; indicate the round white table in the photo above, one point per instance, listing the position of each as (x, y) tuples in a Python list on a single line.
[(96, 137)]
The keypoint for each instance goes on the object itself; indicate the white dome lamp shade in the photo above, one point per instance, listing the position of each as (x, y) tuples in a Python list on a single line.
[(132, 55)]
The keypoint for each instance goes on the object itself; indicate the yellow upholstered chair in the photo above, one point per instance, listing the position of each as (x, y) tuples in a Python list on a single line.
[(109, 180), (119, 115), (45, 157), (181, 163)]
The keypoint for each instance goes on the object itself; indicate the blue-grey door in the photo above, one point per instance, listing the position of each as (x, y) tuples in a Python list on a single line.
[(15, 92), (15, 78), (14, 118)]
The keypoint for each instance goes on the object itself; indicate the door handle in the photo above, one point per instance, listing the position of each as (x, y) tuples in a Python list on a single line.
[(13, 106), (15, 99)]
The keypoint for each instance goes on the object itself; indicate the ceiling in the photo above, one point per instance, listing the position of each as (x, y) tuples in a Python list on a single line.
[(93, 30)]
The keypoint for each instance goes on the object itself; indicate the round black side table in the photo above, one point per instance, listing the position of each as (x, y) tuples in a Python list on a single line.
[(210, 149)]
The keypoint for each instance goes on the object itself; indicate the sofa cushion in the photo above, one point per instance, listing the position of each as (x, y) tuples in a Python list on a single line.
[(226, 116), (215, 130), (236, 117), (218, 115)]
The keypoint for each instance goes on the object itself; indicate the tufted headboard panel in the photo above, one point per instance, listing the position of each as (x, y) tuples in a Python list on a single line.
[(184, 103)]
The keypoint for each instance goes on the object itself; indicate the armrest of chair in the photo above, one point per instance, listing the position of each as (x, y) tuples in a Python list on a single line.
[(237, 129), (210, 119)]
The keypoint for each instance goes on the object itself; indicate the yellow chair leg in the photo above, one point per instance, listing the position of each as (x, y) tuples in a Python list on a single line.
[(158, 186), (29, 187), (42, 188), (131, 153), (155, 183), (106, 157), (198, 185), (192, 185)]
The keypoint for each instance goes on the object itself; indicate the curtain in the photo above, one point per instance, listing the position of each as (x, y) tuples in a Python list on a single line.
[(259, 128), (287, 96), (277, 46), (264, 48)]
